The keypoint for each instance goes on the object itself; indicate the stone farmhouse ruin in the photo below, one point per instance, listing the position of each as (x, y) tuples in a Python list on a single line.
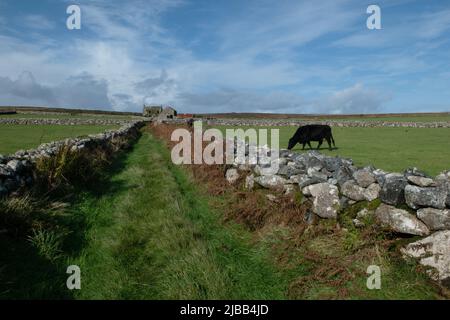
[(160, 112)]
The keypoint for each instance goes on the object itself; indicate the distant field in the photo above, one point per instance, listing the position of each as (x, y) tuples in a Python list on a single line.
[(391, 149), (409, 117), (67, 116), (441, 118), (16, 137)]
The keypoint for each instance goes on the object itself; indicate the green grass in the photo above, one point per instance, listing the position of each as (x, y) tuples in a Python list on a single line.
[(23, 137), (391, 149), (149, 233)]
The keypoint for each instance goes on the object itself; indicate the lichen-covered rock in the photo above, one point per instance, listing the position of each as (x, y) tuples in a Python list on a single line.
[(343, 174), (271, 181), (414, 172), (434, 252), (372, 192), (288, 189), (358, 223), (363, 213), (421, 181), (393, 189), (332, 164), (325, 199), (435, 219), (320, 176), (304, 180), (379, 175), (417, 197), (399, 220), (292, 170), (364, 178), (232, 175), (353, 191)]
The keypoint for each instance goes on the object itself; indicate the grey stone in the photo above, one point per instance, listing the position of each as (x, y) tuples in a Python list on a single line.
[(5, 171), (435, 219), (343, 202), (272, 198), (332, 164), (434, 252), (372, 192), (332, 181), (306, 192), (414, 172), (325, 199), (249, 182), (292, 170), (285, 153), (380, 176), (364, 213), (399, 220), (364, 178), (313, 173), (417, 197), (343, 174), (232, 175), (288, 189), (351, 190), (304, 181), (358, 223), (393, 189), (271, 182), (313, 160), (421, 181)]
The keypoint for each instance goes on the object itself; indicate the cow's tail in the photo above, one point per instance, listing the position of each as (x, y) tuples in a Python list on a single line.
[(332, 140)]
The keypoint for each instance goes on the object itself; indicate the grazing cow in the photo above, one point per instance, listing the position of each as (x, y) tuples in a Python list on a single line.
[(313, 132)]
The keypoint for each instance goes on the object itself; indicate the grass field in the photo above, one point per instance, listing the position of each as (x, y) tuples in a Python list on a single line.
[(150, 232), (391, 149), (22, 137)]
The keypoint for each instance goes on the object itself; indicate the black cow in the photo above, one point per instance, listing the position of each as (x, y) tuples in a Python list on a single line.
[(313, 132)]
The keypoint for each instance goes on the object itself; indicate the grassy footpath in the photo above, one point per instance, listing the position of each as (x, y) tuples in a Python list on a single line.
[(14, 137), (154, 237)]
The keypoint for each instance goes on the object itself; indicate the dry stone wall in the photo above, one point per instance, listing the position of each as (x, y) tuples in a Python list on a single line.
[(410, 203), (65, 122), (332, 123), (16, 170)]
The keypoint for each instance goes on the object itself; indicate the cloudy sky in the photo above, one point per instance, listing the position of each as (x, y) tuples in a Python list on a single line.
[(227, 55)]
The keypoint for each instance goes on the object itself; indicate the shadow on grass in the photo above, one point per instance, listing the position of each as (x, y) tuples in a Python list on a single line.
[(296, 149), (24, 273)]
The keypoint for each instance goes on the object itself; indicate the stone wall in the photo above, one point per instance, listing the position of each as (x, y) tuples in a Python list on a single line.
[(65, 122), (409, 203), (16, 170), (332, 123)]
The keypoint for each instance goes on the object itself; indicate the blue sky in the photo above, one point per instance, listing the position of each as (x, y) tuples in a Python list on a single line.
[(227, 56)]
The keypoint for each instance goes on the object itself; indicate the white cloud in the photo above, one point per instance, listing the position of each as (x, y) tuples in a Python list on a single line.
[(355, 99), (81, 91)]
